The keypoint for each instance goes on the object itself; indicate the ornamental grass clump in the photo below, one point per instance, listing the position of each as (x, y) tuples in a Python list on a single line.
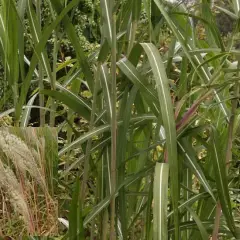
[(21, 156), (160, 88), (28, 206), (12, 188)]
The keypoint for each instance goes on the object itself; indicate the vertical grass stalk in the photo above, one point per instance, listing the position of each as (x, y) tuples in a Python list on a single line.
[(40, 70), (113, 129)]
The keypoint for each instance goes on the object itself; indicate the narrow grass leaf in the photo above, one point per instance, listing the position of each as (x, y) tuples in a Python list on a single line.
[(76, 229), (107, 8), (38, 50), (199, 223), (36, 33), (104, 75), (168, 123), (189, 155), (229, 13), (236, 4), (187, 46), (75, 103), (221, 180), (160, 198), (27, 111), (70, 30), (98, 130), (133, 75)]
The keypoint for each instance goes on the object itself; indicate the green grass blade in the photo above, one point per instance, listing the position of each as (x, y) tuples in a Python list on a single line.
[(147, 6), (189, 155), (219, 165), (187, 46), (26, 113), (229, 13), (98, 130), (104, 76), (105, 202), (130, 71), (70, 30), (191, 200), (160, 198), (236, 6), (10, 44), (199, 223), (76, 230), (36, 33), (168, 123), (38, 50), (72, 101), (122, 142), (107, 8)]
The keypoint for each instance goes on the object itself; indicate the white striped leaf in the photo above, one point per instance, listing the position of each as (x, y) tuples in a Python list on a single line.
[(133, 75), (27, 111), (167, 114), (236, 4), (106, 90), (160, 198), (106, 7)]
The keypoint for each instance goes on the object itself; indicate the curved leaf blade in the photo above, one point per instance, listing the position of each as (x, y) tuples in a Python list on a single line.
[(73, 102), (168, 123)]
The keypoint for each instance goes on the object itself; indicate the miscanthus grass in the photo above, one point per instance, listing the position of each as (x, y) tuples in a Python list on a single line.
[(157, 107), (12, 188), (30, 205), (21, 156)]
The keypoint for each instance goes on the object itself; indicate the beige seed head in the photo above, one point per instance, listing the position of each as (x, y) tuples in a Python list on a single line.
[(21, 156), (10, 184)]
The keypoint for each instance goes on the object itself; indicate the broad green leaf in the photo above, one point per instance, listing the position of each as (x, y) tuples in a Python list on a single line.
[(104, 51), (72, 101)]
